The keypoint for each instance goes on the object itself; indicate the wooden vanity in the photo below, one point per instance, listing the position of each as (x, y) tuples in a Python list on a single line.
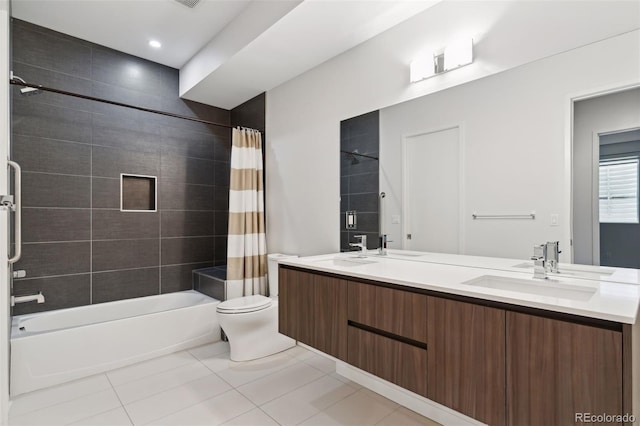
[(499, 363)]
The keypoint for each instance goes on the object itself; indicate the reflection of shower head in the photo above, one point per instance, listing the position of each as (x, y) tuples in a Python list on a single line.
[(29, 91), (354, 159), (25, 91), (354, 156), (351, 156)]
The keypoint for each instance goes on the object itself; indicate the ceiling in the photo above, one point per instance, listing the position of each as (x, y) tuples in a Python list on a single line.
[(228, 51)]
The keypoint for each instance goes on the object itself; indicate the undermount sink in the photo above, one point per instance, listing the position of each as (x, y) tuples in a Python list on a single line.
[(347, 261), (546, 288), (568, 269)]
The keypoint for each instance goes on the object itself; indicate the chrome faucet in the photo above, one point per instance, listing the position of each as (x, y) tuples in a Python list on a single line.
[(539, 261), (362, 244), (552, 258), (30, 298), (384, 239)]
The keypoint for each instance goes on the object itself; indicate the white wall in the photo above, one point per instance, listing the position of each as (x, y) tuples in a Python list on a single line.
[(617, 111), (513, 143), (303, 115), (4, 242)]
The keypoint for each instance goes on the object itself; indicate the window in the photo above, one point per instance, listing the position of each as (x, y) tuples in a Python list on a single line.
[(619, 190)]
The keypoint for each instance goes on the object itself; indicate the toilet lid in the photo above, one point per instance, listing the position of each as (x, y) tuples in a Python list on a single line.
[(244, 304)]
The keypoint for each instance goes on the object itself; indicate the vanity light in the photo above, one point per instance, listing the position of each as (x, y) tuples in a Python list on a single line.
[(155, 44), (422, 67), (451, 57), (458, 54)]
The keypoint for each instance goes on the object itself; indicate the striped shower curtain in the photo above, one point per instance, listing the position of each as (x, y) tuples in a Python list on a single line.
[(247, 247)]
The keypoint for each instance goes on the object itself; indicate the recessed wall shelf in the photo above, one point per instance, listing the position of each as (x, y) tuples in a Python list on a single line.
[(138, 193)]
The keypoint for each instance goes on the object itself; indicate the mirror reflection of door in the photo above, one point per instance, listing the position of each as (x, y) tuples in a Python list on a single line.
[(431, 191), (606, 149), (618, 199)]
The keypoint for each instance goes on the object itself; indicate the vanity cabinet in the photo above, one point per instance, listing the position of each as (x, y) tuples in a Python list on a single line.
[(557, 368), (313, 310), (501, 364), (397, 312), (466, 364), (387, 334)]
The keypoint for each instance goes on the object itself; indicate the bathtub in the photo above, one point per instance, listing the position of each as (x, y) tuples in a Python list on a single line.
[(54, 347)]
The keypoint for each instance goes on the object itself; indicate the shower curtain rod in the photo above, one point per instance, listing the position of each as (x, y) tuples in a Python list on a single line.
[(92, 98)]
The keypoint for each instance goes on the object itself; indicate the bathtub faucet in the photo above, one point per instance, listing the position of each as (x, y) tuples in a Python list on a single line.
[(30, 298)]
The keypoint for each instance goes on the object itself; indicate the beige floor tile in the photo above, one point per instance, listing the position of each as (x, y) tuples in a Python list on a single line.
[(308, 400), (279, 383), (151, 385), (360, 408), (218, 362), (71, 411), (323, 419), (211, 412), (405, 417), (43, 398), (240, 373), (175, 399), (322, 363), (345, 380), (255, 417), (210, 350), (116, 417), (300, 353), (149, 368)]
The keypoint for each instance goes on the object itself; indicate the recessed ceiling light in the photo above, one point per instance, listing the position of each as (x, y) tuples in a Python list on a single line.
[(155, 44)]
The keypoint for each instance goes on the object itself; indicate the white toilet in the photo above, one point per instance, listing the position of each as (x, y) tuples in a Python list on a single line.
[(251, 322)]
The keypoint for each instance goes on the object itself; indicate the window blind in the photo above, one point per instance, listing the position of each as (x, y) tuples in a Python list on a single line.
[(619, 190)]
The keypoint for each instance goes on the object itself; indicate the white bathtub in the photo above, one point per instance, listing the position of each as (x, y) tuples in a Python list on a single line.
[(54, 347)]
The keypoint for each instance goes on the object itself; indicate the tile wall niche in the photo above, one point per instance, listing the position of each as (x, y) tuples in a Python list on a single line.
[(359, 178), (78, 247)]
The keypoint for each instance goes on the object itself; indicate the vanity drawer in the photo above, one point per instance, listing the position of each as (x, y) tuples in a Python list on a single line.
[(398, 312), (398, 362)]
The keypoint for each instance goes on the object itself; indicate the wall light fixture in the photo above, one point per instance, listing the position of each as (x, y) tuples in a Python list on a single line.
[(456, 55)]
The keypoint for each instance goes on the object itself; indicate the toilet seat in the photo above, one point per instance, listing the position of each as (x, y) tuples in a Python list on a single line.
[(242, 305)]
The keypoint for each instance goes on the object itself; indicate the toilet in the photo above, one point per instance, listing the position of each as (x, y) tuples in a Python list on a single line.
[(251, 322)]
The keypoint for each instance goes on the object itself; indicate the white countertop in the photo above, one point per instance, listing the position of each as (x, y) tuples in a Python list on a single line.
[(611, 300)]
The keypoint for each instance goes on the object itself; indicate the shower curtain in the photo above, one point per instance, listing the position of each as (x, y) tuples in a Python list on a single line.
[(246, 247)]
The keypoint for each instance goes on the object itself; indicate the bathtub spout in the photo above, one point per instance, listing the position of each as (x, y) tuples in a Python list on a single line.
[(30, 298)]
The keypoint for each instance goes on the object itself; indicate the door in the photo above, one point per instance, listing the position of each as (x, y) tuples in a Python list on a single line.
[(617, 235), (593, 117), (431, 191)]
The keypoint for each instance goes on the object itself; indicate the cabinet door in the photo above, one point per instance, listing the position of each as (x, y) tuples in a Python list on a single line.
[(556, 369), (313, 310), (466, 358), (395, 311), (289, 302), (392, 360), (329, 311)]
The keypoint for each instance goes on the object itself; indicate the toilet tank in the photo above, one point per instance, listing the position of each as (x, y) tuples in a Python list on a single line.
[(272, 268)]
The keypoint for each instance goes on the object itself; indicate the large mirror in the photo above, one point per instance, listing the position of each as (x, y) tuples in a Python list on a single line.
[(484, 168)]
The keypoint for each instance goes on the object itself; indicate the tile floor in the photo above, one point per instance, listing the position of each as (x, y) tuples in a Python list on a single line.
[(202, 386)]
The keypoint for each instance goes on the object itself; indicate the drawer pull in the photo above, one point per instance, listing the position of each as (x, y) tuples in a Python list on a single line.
[(388, 335)]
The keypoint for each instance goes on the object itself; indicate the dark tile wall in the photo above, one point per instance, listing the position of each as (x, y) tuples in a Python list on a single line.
[(359, 178), (251, 114), (79, 248)]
